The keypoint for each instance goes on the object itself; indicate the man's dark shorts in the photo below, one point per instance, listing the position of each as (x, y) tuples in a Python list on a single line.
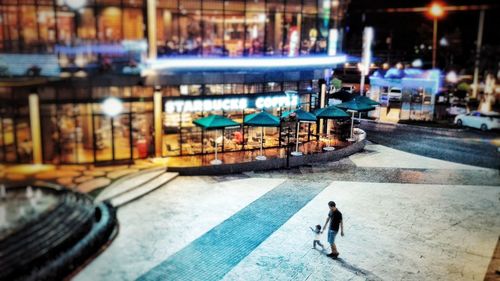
[(331, 236)]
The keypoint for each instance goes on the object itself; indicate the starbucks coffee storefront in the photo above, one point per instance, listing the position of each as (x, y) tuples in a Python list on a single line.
[(182, 137)]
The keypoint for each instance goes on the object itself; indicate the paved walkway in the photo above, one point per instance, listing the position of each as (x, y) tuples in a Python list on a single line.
[(425, 220), (214, 254)]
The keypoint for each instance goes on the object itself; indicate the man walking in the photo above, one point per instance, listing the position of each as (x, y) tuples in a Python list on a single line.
[(335, 219)]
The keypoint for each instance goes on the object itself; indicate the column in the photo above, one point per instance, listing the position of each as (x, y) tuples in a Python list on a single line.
[(322, 102), (36, 136), (152, 29), (157, 100)]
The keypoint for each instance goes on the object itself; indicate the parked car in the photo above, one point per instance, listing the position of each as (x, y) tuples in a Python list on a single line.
[(481, 120), (349, 89), (395, 94), (456, 109)]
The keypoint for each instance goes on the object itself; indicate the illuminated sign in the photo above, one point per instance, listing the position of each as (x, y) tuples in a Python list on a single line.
[(29, 64), (367, 54), (332, 42), (178, 106), (276, 101), (241, 63), (228, 104)]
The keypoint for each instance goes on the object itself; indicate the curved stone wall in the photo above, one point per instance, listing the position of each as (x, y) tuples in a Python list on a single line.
[(271, 164)]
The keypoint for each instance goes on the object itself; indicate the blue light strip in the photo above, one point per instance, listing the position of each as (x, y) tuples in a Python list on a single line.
[(239, 63)]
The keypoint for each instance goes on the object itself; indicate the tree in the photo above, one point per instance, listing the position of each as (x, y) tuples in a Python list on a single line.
[(336, 84)]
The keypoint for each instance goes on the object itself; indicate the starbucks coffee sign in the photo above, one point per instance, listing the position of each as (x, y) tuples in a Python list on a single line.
[(230, 103)]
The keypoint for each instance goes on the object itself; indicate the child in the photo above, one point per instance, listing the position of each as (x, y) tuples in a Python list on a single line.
[(317, 236)]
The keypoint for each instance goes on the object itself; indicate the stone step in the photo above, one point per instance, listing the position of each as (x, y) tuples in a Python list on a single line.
[(142, 190), (128, 183)]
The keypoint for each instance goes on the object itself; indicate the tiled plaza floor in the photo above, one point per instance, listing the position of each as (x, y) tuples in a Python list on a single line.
[(407, 218)]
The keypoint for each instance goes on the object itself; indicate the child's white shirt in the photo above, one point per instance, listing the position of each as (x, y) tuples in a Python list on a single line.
[(317, 236)]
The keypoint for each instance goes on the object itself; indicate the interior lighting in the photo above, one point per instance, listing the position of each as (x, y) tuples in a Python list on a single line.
[(112, 106), (239, 63), (75, 4), (452, 77), (417, 63), (443, 42)]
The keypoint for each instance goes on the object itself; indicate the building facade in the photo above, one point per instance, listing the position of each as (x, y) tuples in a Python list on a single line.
[(408, 94), (168, 63)]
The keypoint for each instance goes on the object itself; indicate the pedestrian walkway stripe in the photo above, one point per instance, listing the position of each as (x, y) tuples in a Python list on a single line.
[(214, 254)]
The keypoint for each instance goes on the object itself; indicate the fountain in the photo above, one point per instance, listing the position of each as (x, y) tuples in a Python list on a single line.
[(3, 192), (29, 192)]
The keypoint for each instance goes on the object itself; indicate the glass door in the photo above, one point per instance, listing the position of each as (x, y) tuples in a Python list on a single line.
[(103, 150), (113, 139), (122, 136)]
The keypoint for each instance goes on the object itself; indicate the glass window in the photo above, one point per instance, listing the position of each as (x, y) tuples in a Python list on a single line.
[(86, 24), (134, 3), (168, 32), (171, 91), (189, 5), (309, 36), (110, 27), (213, 5), (234, 32), (28, 26), (274, 33), (47, 24), (65, 26), (10, 20), (234, 5), (190, 90), (190, 33), (256, 5), (290, 86), (310, 7), (133, 24), (253, 88), (305, 85), (293, 6), (256, 24), (214, 89), (166, 4), (272, 87), (275, 5), (108, 2), (23, 137), (213, 33), (292, 34)]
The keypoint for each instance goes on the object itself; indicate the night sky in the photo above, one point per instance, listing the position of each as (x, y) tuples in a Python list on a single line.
[(410, 29)]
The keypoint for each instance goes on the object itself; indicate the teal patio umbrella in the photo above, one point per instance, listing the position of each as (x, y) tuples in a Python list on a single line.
[(261, 119), (215, 122), (366, 100), (330, 112), (355, 105), (301, 116)]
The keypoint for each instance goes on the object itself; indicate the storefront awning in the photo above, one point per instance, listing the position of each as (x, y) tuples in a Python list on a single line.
[(355, 105), (213, 122), (331, 112), (300, 115), (366, 100), (262, 119)]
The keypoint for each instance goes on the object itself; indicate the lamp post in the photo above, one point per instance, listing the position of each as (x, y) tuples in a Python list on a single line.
[(436, 10)]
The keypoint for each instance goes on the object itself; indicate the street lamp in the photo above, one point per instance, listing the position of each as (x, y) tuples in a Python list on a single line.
[(436, 10)]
